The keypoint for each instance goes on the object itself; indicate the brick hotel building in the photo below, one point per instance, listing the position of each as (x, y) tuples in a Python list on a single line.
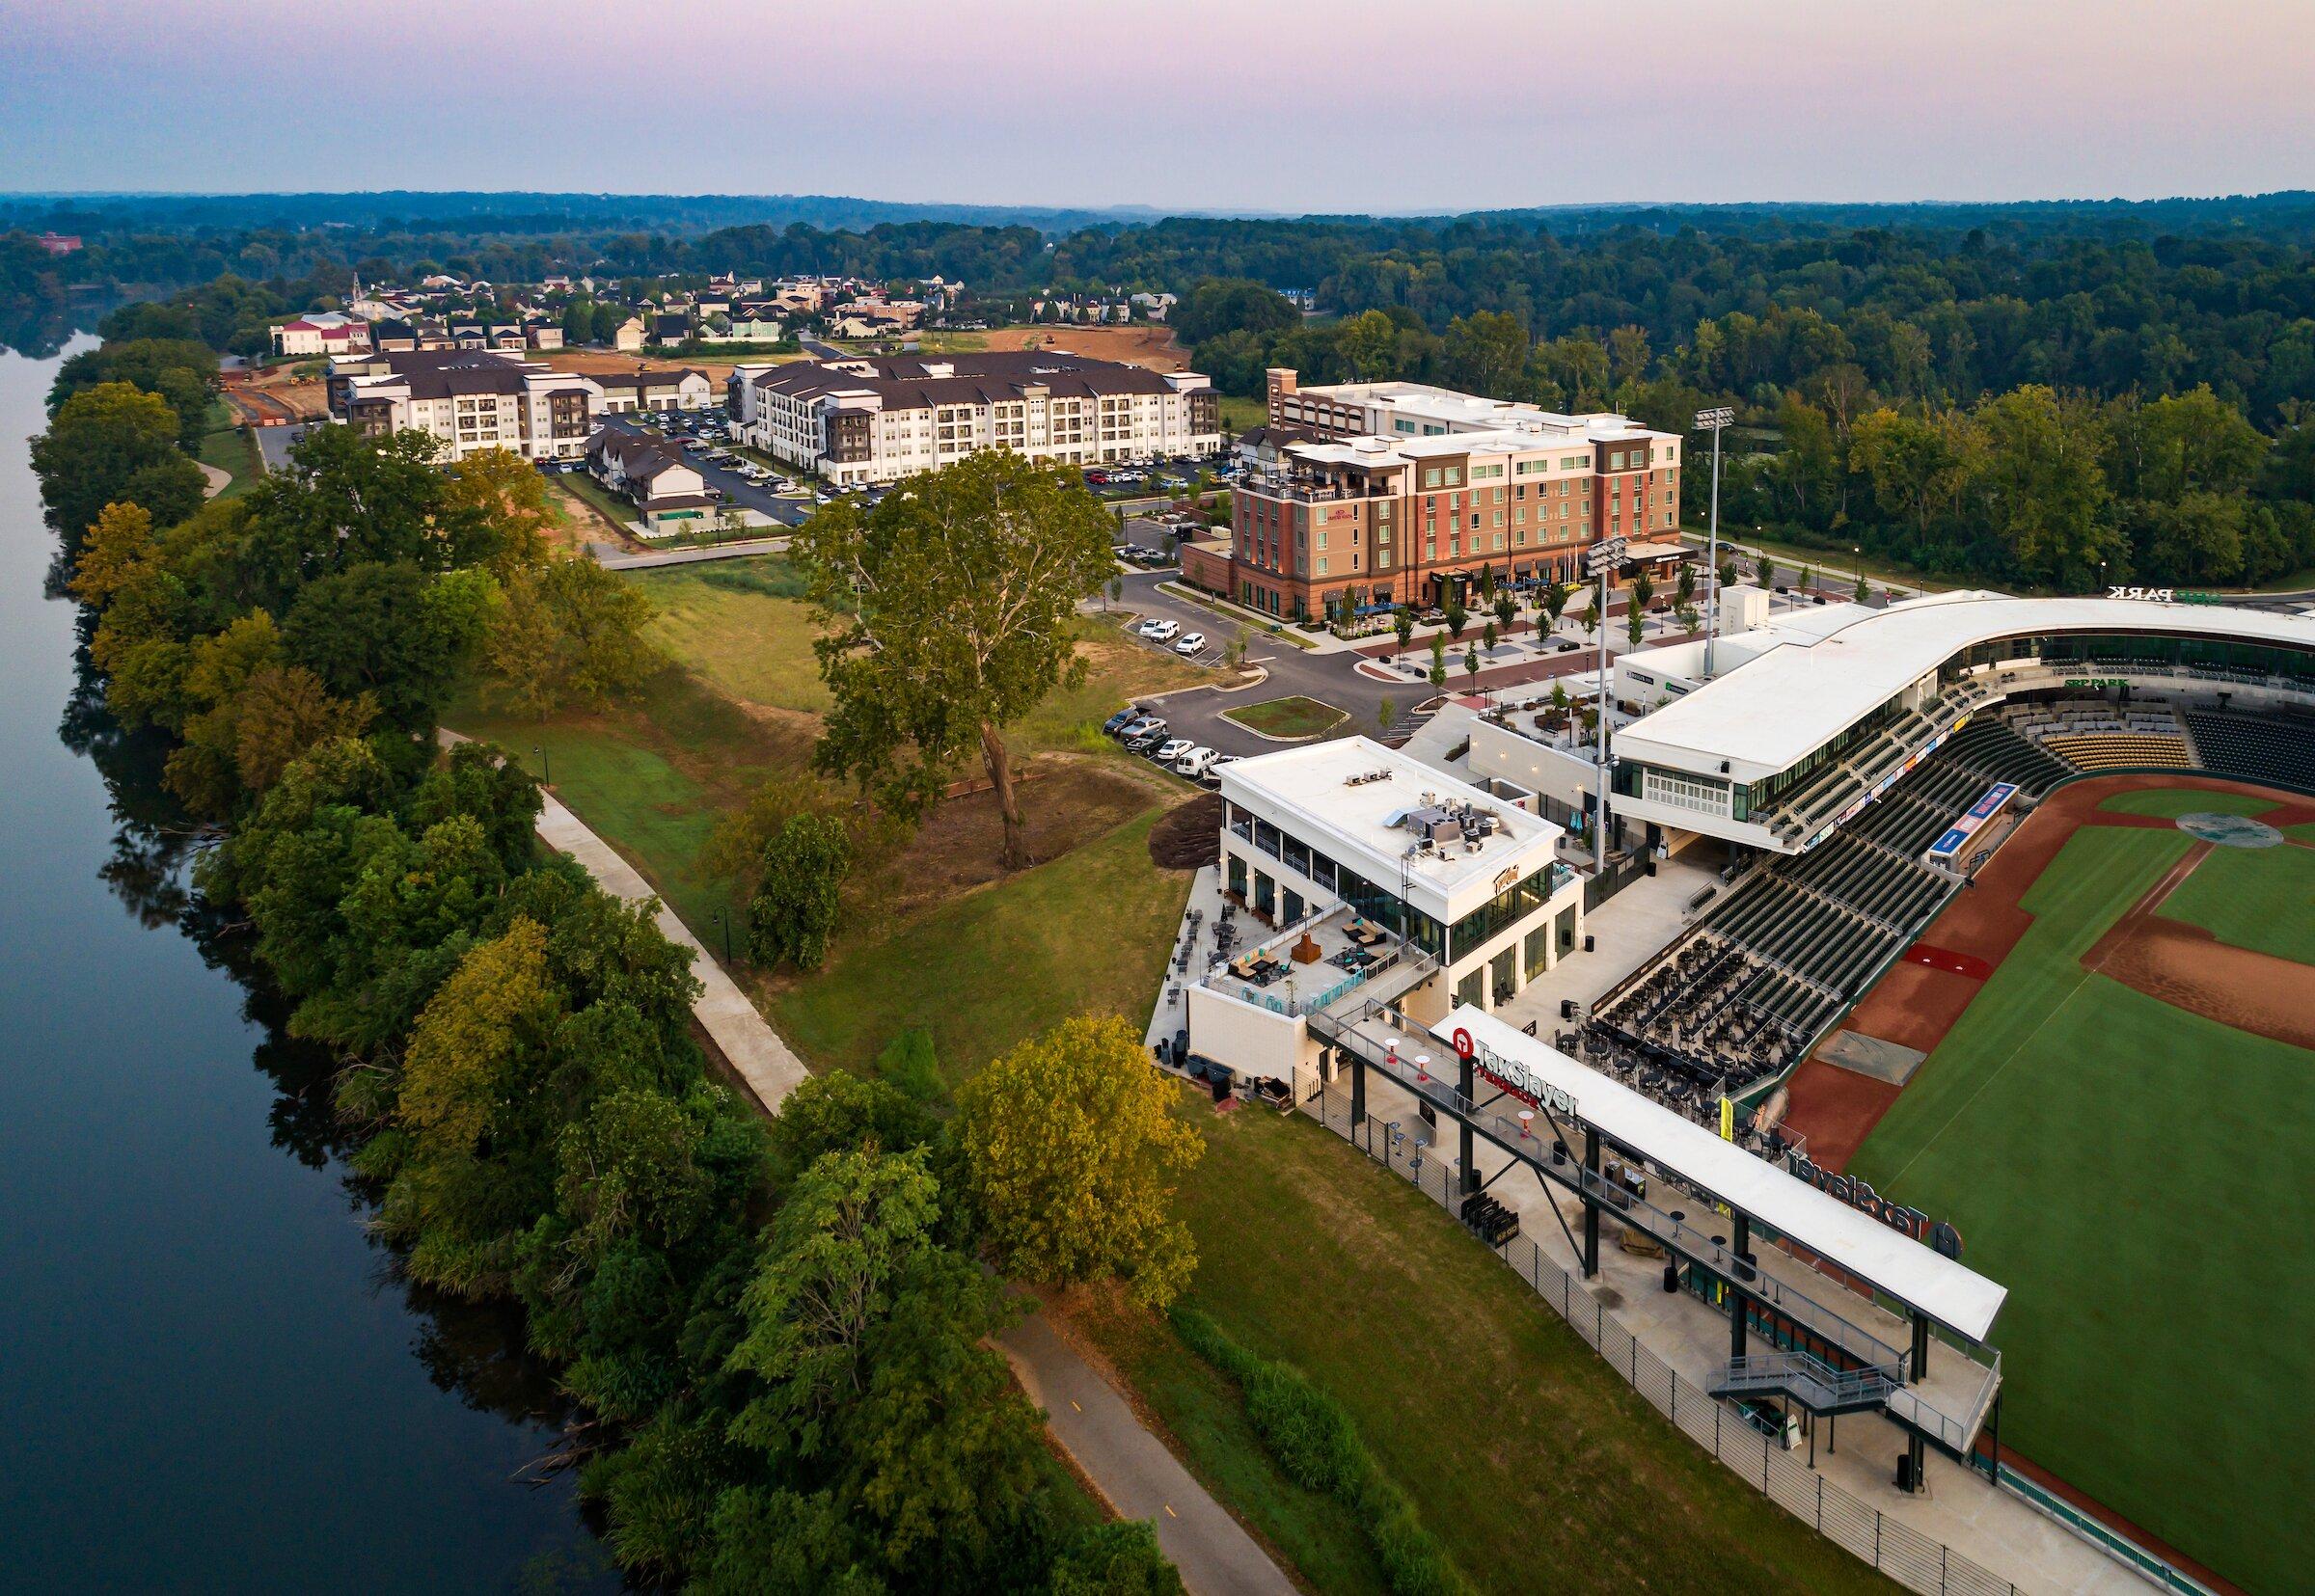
[(1397, 493)]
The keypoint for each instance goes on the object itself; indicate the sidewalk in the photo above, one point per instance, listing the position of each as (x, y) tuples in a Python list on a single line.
[(752, 1048), (1133, 1471)]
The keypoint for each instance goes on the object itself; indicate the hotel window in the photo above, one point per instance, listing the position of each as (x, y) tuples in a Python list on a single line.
[(1431, 477)]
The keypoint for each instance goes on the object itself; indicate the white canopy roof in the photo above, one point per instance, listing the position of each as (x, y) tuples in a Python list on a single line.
[(1805, 689), (1957, 1297)]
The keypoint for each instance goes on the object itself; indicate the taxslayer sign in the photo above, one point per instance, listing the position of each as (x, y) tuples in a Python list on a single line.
[(1859, 1195), (1512, 1077)]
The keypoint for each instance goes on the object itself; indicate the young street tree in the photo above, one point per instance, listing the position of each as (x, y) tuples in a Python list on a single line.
[(795, 907), (949, 606)]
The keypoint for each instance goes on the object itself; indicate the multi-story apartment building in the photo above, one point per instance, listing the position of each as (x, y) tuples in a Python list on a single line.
[(1409, 491), (878, 419), (469, 399)]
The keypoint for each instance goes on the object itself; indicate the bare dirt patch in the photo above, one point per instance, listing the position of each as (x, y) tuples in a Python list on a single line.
[(2189, 968), (1190, 837), (1148, 344), (1065, 804)]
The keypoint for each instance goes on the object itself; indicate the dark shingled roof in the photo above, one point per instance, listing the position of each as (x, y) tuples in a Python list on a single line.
[(443, 373), (643, 379), (906, 382)]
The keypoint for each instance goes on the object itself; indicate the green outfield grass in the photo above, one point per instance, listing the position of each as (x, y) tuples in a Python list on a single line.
[(2257, 898), (2171, 802), (2126, 1169)]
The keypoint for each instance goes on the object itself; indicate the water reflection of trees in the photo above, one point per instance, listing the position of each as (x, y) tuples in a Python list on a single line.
[(474, 1351)]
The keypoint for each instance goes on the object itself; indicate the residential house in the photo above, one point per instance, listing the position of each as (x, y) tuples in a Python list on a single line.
[(669, 494), (322, 333)]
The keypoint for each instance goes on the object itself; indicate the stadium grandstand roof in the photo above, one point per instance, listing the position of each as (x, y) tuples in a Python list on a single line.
[(1947, 1291), (1811, 681)]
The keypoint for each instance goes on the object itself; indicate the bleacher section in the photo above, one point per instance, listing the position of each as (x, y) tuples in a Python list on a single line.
[(1748, 990), (2104, 737), (2255, 747), (1802, 813)]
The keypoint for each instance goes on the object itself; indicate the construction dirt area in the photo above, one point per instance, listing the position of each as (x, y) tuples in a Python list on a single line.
[(589, 361), (266, 399), (1924, 993), (1149, 345)]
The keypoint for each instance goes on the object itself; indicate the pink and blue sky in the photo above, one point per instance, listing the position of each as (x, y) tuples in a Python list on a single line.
[(1245, 104)]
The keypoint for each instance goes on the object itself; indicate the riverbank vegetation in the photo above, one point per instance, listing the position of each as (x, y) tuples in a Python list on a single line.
[(778, 1332)]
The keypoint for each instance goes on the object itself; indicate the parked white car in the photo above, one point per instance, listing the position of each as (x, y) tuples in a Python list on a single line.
[(1161, 632), (1193, 763), (1171, 749), (1194, 643)]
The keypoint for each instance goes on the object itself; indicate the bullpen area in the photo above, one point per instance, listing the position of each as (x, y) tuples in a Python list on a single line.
[(2117, 1111)]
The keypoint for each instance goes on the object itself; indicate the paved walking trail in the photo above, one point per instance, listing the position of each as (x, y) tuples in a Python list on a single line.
[(754, 1051), (1132, 1469)]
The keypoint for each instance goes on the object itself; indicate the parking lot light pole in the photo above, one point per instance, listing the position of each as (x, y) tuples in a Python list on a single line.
[(1715, 419)]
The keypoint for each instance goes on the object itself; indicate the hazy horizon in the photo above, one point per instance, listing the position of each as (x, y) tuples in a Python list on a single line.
[(1287, 107)]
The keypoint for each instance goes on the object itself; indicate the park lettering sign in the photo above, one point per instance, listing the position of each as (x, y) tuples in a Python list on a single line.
[(1511, 1076), (1859, 1193)]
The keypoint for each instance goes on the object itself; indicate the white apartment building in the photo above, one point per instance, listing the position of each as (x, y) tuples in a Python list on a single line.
[(469, 401), (878, 420)]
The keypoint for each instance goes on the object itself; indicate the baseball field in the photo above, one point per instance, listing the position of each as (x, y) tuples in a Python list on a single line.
[(2121, 1120)]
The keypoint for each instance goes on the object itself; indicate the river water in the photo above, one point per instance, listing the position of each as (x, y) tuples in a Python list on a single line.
[(210, 1378)]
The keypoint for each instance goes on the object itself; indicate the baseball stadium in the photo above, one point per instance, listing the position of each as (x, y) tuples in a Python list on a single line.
[(2017, 934)]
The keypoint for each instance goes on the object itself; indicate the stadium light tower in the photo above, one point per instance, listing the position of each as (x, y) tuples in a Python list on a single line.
[(1714, 418), (1603, 558)]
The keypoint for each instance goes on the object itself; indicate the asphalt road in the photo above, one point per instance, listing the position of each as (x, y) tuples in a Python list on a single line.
[(273, 443), (787, 512), (1196, 712)]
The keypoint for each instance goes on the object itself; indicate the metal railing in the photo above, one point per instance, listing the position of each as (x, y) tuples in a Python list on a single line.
[(1818, 1385), (1894, 1546), (2141, 1561)]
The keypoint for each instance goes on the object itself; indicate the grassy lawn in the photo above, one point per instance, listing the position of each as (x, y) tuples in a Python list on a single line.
[(1086, 932), (2257, 898), (2303, 831), (741, 625), (652, 776), (1534, 1462), (2093, 1144), (235, 453), (1237, 414), (2171, 802), (1289, 719)]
